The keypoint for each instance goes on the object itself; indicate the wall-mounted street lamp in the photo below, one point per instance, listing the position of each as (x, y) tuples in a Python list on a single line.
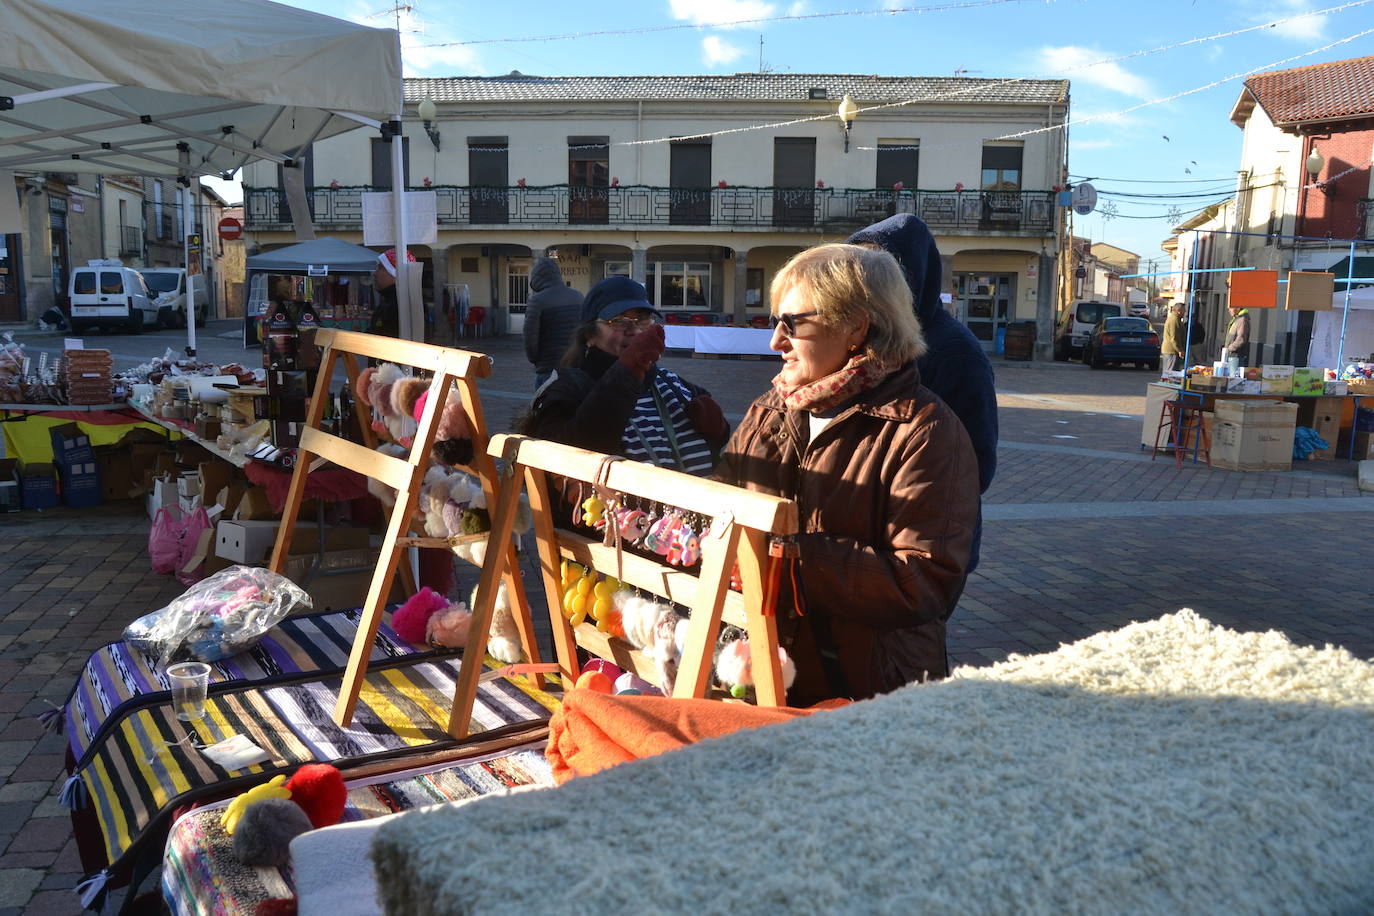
[(847, 113), (427, 114), (1314, 165)]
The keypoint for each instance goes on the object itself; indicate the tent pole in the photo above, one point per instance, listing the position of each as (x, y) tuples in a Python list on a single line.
[(1345, 313), (404, 309), (188, 228), (1188, 329)]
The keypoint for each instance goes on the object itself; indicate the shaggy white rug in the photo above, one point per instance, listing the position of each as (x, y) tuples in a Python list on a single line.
[(1169, 767)]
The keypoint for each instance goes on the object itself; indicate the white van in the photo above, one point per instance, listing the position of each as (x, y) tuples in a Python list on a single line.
[(107, 295), (168, 288), (1077, 322)]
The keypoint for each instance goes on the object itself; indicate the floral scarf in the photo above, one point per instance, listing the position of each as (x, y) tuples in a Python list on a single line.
[(862, 372)]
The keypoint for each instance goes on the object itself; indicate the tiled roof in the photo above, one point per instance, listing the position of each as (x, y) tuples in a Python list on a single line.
[(1321, 92), (747, 87)]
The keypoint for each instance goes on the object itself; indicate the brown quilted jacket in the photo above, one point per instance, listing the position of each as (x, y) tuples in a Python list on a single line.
[(888, 497)]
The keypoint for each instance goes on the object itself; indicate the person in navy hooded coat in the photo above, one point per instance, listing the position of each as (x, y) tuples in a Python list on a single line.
[(955, 366)]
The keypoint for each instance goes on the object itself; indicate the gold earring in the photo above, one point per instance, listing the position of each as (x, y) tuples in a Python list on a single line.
[(853, 347)]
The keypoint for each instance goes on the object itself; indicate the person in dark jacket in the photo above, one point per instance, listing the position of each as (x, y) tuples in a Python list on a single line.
[(954, 366), (386, 315), (552, 313), (610, 395)]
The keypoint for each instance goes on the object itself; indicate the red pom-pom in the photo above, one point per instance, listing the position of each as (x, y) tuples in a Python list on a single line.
[(278, 906), (319, 789), (410, 618)]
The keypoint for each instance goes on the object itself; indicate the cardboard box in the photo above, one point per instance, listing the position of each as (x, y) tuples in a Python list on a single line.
[(1216, 383), (255, 505), (188, 504), (1253, 373), (207, 427), (11, 495), (1276, 386), (1245, 386), (1360, 386), (1253, 435), (188, 484), (1339, 389), (190, 454), (162, 495), (250, 542), (214, 476), (1309, 380), (116, 468), (342, 581), (286, 433), (1276, 372), (38, 482)]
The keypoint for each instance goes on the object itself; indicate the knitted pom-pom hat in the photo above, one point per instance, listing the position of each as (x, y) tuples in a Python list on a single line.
[(405, 393)]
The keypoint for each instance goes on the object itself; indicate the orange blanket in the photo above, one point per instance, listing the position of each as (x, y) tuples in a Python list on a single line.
[(593, 731)]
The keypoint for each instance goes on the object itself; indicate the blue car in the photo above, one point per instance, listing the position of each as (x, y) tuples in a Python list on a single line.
[(1122, 340)]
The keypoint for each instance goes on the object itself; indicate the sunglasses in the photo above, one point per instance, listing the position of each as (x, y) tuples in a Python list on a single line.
[(625, 323), (789, 322)]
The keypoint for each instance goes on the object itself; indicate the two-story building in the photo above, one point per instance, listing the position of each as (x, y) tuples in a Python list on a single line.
[(1303, 194), (703, 186)]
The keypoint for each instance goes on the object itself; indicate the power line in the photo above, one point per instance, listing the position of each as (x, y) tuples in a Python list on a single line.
[(1153, 180), (682, 26)]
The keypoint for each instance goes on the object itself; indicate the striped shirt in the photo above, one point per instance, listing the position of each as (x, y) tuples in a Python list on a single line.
[(647, 440)]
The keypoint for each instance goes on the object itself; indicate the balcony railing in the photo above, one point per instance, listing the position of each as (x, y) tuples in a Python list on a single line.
[(130, 241), (1364, 214), (782, 209)]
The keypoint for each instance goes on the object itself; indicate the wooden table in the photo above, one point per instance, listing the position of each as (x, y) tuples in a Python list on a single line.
[(1158, 392)]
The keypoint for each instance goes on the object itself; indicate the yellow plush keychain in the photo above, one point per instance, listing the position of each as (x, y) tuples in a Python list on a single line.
[(273, 788)]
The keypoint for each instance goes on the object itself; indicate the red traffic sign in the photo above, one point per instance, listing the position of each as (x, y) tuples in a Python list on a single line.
[(230, 229)]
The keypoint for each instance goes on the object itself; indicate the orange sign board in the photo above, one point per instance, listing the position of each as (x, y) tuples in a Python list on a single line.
[(1254, 289)]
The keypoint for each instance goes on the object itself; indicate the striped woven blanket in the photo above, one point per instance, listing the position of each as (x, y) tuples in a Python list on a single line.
[(148, 763), (118, 675), (200, 873)]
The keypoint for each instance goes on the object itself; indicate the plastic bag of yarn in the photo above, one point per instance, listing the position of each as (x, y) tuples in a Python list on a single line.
[(218, 617)]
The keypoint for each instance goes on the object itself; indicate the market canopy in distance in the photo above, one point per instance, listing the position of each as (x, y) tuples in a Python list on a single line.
[(114, 88)]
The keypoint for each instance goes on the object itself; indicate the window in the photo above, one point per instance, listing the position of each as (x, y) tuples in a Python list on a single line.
[(589, 177), (794, 181), (898, 161), (488, 179), (381, 163), (616, 269), (83, 284), (111, 283), (517, 281), (468, 266), (1001, 167), (679, 285), (689, 176)]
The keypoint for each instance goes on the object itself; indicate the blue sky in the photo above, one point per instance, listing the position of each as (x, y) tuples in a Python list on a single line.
[(1187, 145)]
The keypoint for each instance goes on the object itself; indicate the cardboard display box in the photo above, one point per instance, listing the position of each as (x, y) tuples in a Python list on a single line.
[(251, 541), (38, 481), (1253, 435), (1323, 415), (1309, 380), (254, 505), (162, 494), (115, 465)]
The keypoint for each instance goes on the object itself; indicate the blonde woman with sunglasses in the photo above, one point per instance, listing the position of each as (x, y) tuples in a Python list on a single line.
[(610, 395), (883, 472)]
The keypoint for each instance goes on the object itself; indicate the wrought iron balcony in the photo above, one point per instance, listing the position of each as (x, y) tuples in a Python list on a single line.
[(829, 210)]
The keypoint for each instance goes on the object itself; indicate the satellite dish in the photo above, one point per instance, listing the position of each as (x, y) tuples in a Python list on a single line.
[(1084, 198)]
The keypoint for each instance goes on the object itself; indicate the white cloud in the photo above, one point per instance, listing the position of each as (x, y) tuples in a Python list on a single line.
[(1076, 63), (418, 56), (1304, 29), (714, 12), (715, 52)]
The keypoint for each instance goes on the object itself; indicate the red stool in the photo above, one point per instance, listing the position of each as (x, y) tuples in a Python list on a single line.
[(1183, 423)]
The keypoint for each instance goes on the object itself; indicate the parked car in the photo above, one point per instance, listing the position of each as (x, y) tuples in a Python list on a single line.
[(111, 297), (1122, 340), (168, 286), (1077, 323), (1139, 310)]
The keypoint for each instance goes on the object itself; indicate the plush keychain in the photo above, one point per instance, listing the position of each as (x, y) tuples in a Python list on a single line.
[(659, 538), (592, 509), (634, 524), (735, 669)]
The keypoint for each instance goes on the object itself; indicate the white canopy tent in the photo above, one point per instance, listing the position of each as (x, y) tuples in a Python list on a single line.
[(180, 88), (1328, 346)]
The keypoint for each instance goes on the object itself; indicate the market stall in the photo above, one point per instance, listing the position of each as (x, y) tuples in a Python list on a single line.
[(326, 278)]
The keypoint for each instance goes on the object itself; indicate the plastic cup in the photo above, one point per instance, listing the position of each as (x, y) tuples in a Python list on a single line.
[(190, 682)]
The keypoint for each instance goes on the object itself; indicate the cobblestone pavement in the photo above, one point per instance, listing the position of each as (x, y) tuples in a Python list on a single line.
[(1083, 533)]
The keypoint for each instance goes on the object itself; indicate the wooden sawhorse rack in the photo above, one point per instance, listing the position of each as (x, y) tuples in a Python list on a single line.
[(450, 368), (743, 523)]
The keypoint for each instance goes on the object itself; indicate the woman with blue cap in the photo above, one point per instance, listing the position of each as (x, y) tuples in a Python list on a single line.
[(610, 395)]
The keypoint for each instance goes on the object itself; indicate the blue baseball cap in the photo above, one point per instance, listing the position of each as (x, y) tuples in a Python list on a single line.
[(615, 296)]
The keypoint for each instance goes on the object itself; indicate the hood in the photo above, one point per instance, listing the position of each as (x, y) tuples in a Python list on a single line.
[(907, 239), (545, 275)]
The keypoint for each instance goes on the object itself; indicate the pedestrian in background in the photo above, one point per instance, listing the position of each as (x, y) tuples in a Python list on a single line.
[(552, 313), (1175, 342), (1237, 336), (386, 315)]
